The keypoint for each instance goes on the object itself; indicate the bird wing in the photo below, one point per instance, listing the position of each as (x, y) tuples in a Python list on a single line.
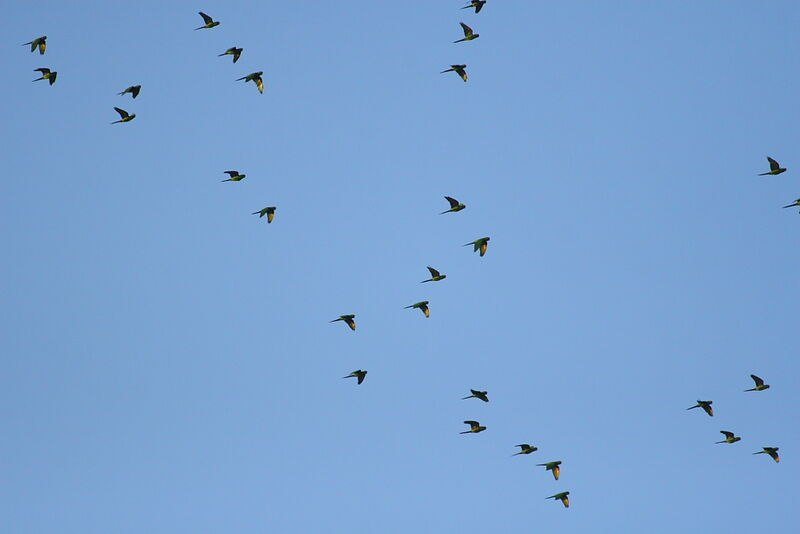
[(727, 434), (206, 18), (122, 113), (773, 165), (759, 381), (232, 173), (43, 70), (467, 29), (434, 272), (135, 90), (473, 424), (453, 203)]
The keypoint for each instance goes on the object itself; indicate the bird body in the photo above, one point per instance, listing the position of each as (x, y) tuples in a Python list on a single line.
[(209, 22), (256, 78), (555, 467), (47, 74), (729, 437), (477, 4), (348, 319), (358, 373), (469, 35), (232, 51), (458, 69), (422, 305), (563, 497), (524, 448), (482, 395), (774, 167), (479, 244), (705, 405), (124, 115), (133, 90), (772, 452), (474, 427), (760, 385), (39, 42), (455, 205), (269, 211), (435, 276), (234, 176)]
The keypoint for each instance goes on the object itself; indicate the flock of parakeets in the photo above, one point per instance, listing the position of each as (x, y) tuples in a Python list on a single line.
[(479, 245), (730, 437)]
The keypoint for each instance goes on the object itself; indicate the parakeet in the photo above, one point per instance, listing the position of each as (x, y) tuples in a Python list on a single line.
[(455, 205), (477, 4), (38, 42), (555, 467), (256, 78), (474, 427), (269, 211), (133, 90), (524, 448), (468, 33), (232, 51), (729, 437), (459, 69), (793, 204), (563, 497), (774, 167), (772, 451), (47, 74), (124, 115), (435, 275), (348, 319), (422, 305), (482, 395), (209, 22), (357, 373), (760, 385), (705, 405), (479, 244), (234, 176)]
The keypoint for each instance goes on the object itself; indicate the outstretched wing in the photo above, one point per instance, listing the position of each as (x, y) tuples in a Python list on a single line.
[(122, 113), (728, 435), (434, 272), (206, 18), (759, 381), (773, 165), (232, 173), (467, 29), (453, 203)]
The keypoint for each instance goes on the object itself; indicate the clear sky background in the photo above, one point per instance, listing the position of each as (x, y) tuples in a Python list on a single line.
[(168, 365)]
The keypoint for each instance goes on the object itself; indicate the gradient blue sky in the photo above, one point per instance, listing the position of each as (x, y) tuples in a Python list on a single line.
[(168, 363)]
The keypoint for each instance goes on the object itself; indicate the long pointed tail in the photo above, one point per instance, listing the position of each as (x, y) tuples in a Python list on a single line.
[(765, 173)]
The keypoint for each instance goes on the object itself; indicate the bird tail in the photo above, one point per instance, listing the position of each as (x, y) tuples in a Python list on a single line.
[(448, 211), (220, 55), (200, 28), (752, 389), (465, 432), (228, 180), (790, 206), (471, 396), (459, 40), (426, 281), (448, 70), (765, 173), (719, 441)]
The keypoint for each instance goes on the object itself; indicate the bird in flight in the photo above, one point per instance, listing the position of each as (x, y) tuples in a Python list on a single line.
[(269, 211), (38, 42), (360, 374), (124, 115), (772, 451), (133, 90), (209, 22), (474, 427), (729, 437), (469, 35), (774, 167), (477, 4), (552, 466), (233, 51), (435, 275), (459, 69), (524, 448), (482, 395), (348, 319), (479, 244), (256, 78), (234, 176), (760, 385), (563, 497), (455, 205), (793, 204), (422, 305), (47, 74), (705, 405)]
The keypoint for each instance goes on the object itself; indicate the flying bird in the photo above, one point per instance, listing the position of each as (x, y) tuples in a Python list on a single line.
[(40, 42), (482, 395), (563, 497), (422, 305), (455, 205), (772, 451), (269, 211), (729, 437), (552, 466), (468, 33), (234, 176), (459, 69), (793, 204), (209, 22), (474, 427), (133, 90), (47, 74), (705, 405), (232, 51), (256, 78), (524, 448), (760, 385), (348, 319), (435, 276), (358, 374), (477, 4), (479, 244), (774, 167), (124, 115)]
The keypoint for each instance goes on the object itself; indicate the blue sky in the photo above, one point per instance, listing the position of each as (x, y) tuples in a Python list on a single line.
[(168, 362)]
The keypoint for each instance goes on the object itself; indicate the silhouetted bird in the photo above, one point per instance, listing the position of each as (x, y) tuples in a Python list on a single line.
[(482, 395), (256, 78), (563, 497), (455, 205), (234, 176), (358, 374), (209, 22), (729, 437), (422, 305), (458, 69), (269, 211), (760, 385), (774, 167), (232, 51), (474, 427), (124, 115), (772, 451), (524, 448), (38, 42), (133, 90), (705, 405), (468, 33), (554, 467), (435, 275), (348, 319), (47, 74), (479, 244)]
